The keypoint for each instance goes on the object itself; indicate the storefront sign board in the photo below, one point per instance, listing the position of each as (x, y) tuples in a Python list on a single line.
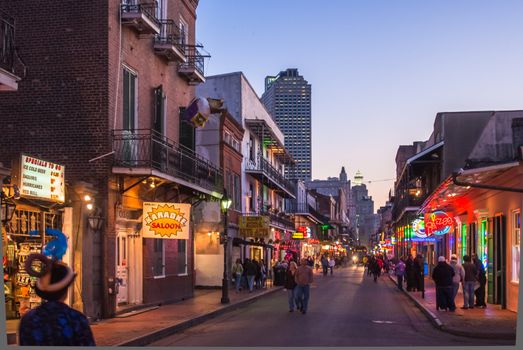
[(166, 220), (41, 179), (254, 222)]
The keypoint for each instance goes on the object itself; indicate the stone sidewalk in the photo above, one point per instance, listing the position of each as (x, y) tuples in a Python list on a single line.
[(491, 322)]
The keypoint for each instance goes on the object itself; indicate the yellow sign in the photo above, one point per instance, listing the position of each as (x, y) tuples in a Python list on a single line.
[(297, 235), (255, 232), (254, 222), (166, 220)]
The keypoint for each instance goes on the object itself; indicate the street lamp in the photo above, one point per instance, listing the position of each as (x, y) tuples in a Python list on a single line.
[(225, 205)]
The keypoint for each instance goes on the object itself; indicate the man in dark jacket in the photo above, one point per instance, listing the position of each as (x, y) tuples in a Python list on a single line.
[(250, 271), (442, 276), (482, 279), (471, 273)]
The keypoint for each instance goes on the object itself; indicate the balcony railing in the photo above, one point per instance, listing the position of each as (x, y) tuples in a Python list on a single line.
[(277, 179), (7, 41), (193, 69), (170, 41), (404, 200), (10, 63), (141, 15), (305, 209), (145, 148)]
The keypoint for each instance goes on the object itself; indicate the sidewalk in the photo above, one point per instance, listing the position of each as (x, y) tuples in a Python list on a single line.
[(491, 322), (141, 328)]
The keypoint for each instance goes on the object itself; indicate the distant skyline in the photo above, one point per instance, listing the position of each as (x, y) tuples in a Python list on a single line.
[(379, 70)]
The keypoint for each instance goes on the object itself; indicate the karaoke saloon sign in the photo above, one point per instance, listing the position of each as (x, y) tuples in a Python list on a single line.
[(166, 220)]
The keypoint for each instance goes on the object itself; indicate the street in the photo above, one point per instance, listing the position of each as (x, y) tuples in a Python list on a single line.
[(346, 309)]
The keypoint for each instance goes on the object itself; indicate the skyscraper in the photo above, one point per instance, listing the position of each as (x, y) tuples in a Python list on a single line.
[(287, 98)]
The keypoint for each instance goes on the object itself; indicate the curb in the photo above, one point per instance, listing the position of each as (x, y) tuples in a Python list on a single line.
[(148, 338), (436, 322)]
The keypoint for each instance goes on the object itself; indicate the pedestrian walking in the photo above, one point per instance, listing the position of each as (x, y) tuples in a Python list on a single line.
[(443, 275), (332, 263), (399, 270), (290, 285), (53, 323), (482, 279), (471, 273), (250, 273), (310, 261), (459, 275), (409, 271), (417, 266), (374, 267), (324, 264), (303, 278), (237, 271), (263, 271)]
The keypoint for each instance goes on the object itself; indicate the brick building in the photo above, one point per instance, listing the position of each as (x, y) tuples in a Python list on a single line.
[(106, 85)]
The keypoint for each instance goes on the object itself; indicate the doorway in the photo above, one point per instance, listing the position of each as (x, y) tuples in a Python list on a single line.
[(122, 267)]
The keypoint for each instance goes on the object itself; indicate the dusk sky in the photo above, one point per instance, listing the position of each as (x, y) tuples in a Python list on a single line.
[(380, 70)]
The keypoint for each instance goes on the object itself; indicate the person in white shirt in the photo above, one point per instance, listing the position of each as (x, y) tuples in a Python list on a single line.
[(332, 263)]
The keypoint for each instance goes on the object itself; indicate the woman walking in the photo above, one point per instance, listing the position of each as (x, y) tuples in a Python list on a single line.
[(290, 285), (237, 271)]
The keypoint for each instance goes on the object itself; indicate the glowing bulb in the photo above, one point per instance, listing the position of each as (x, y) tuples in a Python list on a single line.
[(87, 198), (89, 206)]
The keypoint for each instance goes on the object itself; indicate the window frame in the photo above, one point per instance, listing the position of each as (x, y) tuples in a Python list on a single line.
[(515, 238), (157, 240), (186, 272)]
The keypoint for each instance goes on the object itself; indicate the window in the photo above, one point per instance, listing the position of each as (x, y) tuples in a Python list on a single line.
[(158, 258), (516, 237), (184, 31), (187, 135), (182, 257), (129, 100), (237, 193)]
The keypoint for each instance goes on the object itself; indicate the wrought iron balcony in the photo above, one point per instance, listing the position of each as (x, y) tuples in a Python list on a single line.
[(193, 69), (141, 15), (170, 41), (305, 209), (143, 150), (270, 176), (8, 77)]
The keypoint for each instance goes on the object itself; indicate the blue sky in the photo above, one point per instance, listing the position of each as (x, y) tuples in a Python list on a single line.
[(380, 70)]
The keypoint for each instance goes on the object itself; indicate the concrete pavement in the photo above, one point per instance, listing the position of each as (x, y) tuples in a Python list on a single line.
[(491, 322)]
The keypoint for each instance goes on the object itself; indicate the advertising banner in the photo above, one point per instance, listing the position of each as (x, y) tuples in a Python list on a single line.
[(166, 220)]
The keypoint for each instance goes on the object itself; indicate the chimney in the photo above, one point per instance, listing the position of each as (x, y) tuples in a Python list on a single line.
[(517, 137)]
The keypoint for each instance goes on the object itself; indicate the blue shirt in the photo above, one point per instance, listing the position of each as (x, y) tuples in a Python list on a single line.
[(55, 323)]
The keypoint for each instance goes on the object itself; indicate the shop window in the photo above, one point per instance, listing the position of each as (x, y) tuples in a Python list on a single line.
[(158, 258), (516, 237), (182, 257)]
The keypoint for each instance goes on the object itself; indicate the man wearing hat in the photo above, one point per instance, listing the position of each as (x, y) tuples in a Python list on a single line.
[(442, 276), (459, 275), (53, 323)]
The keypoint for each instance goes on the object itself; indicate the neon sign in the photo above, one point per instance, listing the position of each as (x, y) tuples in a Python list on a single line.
[(438, 223), (418, 226)]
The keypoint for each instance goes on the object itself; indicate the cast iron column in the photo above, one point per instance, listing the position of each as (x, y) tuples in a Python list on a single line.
[(225, 281)]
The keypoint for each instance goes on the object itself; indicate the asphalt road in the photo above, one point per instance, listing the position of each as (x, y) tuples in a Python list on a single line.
[(346, 309)]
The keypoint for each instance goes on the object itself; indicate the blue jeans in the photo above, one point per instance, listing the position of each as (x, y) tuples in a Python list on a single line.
[(250, 281), (290, 296), (238, 279), (301, 293), (400, 281), (468, 294)]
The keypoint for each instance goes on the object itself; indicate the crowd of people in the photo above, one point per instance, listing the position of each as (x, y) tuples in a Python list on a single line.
[(447, 276), (249, 275)]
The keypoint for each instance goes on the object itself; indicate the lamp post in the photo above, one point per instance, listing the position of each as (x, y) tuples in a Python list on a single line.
[(225, 204)]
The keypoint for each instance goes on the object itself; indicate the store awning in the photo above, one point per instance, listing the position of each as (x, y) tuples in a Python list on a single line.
[(449, 195), (264, 132)]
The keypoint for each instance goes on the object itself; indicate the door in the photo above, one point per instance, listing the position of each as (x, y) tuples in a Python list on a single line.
[(122, 268), (499, 261)]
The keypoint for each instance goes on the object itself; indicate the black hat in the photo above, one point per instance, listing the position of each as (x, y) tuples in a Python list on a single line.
[(53, 279)]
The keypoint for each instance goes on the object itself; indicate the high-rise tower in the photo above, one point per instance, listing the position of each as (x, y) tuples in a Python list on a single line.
[(287, 98)]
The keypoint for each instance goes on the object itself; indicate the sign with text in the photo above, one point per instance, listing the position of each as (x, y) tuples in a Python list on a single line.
[(438, 223), (166, 220), (42, 179), (254, 222), (297, 235)]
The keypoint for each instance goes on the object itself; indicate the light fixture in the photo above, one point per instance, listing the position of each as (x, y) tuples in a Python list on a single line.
[(89, 206), (225, 203), (87, 198), (96, 221), (152, 184), (209, 233)]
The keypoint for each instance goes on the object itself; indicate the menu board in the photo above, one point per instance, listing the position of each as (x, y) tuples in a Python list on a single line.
[(42, 179)]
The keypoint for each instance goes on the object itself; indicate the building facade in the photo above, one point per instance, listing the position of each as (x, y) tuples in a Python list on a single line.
[(263, 182), (108, 108), (287, 97)]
